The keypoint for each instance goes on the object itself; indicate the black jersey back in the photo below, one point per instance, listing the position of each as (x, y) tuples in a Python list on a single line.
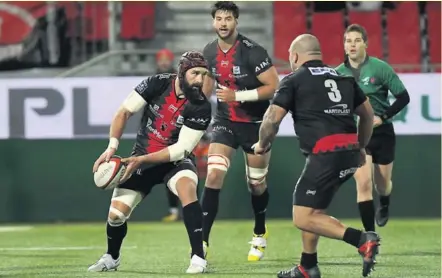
[(165, 114), (238, 69), (322, 104)]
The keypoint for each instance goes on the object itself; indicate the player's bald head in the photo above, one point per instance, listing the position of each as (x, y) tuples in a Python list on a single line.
[(306, 44)]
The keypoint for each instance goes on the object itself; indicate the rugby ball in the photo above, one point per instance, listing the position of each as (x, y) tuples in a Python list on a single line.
[(109, 173)]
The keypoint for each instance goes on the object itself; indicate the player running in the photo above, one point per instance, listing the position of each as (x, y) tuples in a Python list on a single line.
[(375, 77), (246, 82), (322, 104), (175, 116)]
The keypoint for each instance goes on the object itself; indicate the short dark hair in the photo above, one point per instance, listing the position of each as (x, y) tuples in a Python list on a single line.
[(357, 28), (225, 6)]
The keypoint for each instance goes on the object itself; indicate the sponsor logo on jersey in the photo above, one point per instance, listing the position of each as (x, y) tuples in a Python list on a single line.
[(236, 70), (322, 71), (338, 109), (262, 65), (347, 172), (198, 120), (154, 109), (365, 80), (247, 43)]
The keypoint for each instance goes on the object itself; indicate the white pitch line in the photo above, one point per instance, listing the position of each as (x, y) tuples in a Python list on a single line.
[(5, 229), (72, 248)]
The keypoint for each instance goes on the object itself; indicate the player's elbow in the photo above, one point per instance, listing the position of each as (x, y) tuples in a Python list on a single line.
[(123, 113), (178, 152), (404, 98)]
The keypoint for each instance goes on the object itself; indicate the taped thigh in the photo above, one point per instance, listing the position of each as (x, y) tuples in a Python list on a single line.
[(256, 176), (218, 161), (173, 181), (130, 198)]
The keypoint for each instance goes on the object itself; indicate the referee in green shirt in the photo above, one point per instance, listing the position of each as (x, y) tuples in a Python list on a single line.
[(376, 78)]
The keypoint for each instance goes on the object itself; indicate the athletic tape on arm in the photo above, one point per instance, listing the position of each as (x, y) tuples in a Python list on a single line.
[(187, 141), (134, 102)]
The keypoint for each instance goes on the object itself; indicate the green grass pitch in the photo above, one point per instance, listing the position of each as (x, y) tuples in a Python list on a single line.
[(410, 249)]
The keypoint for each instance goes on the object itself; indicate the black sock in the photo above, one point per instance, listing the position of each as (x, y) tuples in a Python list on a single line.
[(309, 260), (353, 237), (210, 209), (172, 198), (366, 210), (384, 200), (115, 236), (193, 220), (259, 204)]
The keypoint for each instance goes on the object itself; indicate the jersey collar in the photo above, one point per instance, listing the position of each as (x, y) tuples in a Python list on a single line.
[(313, 63)]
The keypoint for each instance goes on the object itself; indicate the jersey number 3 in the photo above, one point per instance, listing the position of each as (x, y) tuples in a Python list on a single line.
[(334, 94)]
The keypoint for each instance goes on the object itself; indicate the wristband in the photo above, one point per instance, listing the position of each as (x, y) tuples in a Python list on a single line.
[(113, 143), (250, 95)]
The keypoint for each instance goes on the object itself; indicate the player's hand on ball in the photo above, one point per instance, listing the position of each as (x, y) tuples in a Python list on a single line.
[(377, 121), (225, 94), (363, 157), (258, 149), (132, 164), (104, 157)]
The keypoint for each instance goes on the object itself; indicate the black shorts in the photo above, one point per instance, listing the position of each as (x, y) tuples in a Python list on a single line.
[(235, 134), (143, 181), (382, 144), (322, 176)]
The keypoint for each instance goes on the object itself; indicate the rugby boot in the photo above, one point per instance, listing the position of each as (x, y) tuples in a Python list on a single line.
[(382, 216), (368, 251), (258, 246), (300, 272), (205, 249), (171, 217), (105, 263), (197, 265)]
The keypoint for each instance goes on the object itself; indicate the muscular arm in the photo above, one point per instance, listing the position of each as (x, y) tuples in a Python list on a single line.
[(262, 66), (187, 141), (270, 81), (270, 124), (132, 104)]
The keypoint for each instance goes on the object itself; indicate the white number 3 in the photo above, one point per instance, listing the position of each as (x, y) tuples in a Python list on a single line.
[(335, 94)]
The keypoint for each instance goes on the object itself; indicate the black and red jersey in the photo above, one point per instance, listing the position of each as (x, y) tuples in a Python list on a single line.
[(322, 104), (165, 114), (238, 69)]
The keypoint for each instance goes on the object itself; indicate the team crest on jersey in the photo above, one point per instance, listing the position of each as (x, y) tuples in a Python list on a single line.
[(172, 108), (163, 126), (224, 64), (236, 70)]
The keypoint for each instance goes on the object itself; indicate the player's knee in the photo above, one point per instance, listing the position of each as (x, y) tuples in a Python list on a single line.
[(123, 203), (183, 184), (256, 180), (116, 217), (217, 166), (300, 218)]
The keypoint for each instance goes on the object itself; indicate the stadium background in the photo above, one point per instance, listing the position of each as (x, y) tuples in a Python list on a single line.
[(84, 57)]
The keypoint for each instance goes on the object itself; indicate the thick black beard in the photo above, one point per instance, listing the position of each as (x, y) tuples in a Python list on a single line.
[(193, 93)]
